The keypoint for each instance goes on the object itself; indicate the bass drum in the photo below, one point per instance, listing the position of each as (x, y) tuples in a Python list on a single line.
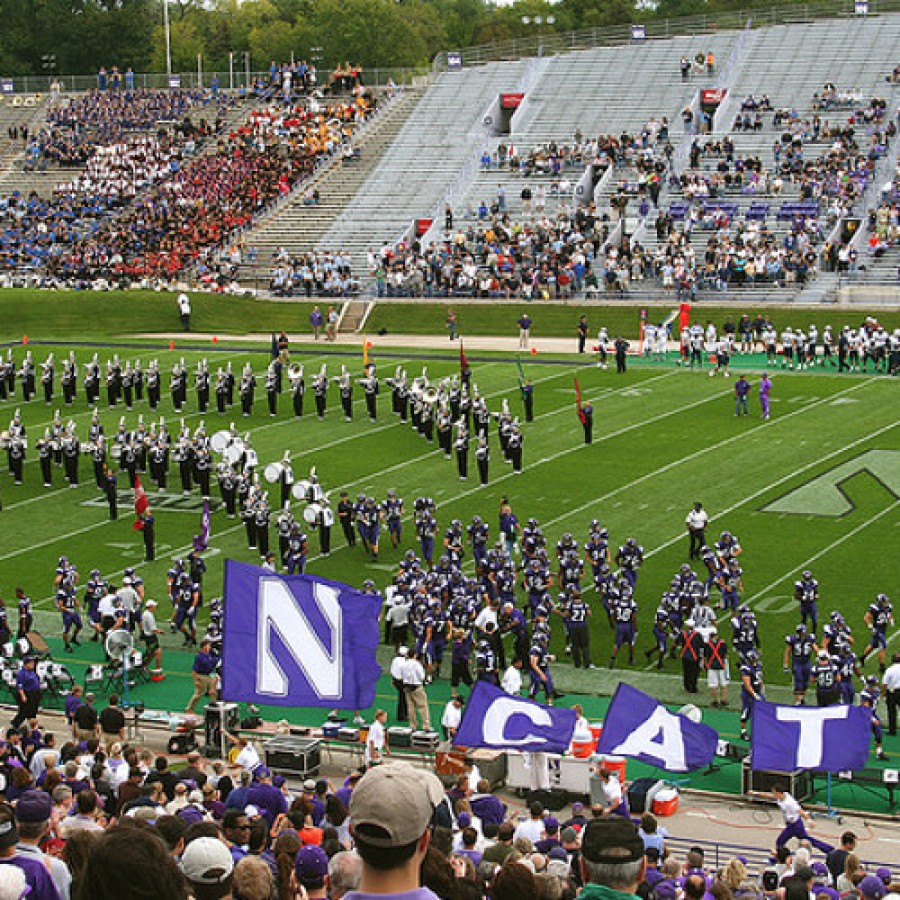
[(272, 472), (311, 514)]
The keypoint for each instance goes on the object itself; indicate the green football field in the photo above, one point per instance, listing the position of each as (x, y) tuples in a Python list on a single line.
[(817, 486)]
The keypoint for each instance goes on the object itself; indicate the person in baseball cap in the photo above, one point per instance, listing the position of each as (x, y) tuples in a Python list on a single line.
[(208, 867), (33, 811), (391, 811), (310, 870), (612, 857), (872, 888)]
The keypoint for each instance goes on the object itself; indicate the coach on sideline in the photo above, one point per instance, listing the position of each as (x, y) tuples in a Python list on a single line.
[(696, 521)]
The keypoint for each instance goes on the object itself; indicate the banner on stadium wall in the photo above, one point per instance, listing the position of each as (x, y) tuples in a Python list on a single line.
[(454, 59), (861, 7), (712, 97), (174, 82), (511, 101), (7, 86), (638, 32)]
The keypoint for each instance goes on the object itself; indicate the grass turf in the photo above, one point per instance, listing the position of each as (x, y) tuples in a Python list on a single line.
[(663, 437), (91, 315)]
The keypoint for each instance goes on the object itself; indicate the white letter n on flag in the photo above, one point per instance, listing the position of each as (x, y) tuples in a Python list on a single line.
[(279, 612)]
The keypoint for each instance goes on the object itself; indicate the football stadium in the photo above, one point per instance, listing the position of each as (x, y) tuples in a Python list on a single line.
[(474, 463)]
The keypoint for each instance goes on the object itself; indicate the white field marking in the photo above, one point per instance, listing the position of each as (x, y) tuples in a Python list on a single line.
[(56, 539), (805, 564), (38, 497), (692, 456), (764, 490)]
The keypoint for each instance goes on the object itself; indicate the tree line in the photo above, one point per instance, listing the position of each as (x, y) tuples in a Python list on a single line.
[(77, 37)]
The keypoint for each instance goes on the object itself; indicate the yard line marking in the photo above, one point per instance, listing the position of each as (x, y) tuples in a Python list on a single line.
[(696, 454), (866, 437), (805, 564), (55, 540)]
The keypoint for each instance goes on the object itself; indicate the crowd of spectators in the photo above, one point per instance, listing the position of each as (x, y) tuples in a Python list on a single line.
[(313, 274), (91, 818), (183, 204)]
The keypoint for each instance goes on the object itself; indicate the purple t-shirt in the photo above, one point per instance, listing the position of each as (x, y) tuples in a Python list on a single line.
[(422, 893), (36, 876)]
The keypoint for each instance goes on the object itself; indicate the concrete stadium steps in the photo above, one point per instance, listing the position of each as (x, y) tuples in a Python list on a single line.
[(12, 153), (608, 89), (298, 227), (441, 137), (791, 62)]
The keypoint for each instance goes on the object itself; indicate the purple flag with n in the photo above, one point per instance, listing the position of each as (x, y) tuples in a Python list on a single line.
[(297, 640)]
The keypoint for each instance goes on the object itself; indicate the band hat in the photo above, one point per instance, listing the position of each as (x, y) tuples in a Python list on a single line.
[(398, 799)]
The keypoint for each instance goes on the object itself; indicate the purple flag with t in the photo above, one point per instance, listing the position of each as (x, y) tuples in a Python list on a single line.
[(201, 541), (639, 727), (496, 719), (825, 738), (297, 640)]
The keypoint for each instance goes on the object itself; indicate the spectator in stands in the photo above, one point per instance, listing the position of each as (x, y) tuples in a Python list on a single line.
[(612, 858), (837, 859), (208, 868), (391, 809), (344, 873)]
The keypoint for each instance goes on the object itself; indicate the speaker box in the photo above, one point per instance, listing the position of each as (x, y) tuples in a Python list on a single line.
[(292, 755)]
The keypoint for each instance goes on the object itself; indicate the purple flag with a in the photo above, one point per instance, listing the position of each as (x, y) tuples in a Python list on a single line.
[(639, 727), (297, 640), (201, 541), (824, 738), (503, 721)]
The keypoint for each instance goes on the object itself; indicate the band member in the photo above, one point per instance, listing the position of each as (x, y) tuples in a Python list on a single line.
[(138, 375), (98, 457), (45, 454), (184, 456), (47, 376), (261, 519), (246, 390), (69, 379), (298, 389), (514, 444), (444, 430), (325, 523), (71, 451), (201, 383), (370, 385), (320, 390), (346, 389), (462, 451), (153, 385), (482, 457), (159, 463), (286, 478), (221, 391), (202, 467), (178, 385), (128, 386), (273, 388), (227, 487), (284, 524)]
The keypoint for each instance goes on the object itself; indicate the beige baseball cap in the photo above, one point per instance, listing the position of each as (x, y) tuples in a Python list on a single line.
[(397, 798)]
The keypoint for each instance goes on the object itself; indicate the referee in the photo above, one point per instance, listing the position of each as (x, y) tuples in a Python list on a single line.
[(696, 522)]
